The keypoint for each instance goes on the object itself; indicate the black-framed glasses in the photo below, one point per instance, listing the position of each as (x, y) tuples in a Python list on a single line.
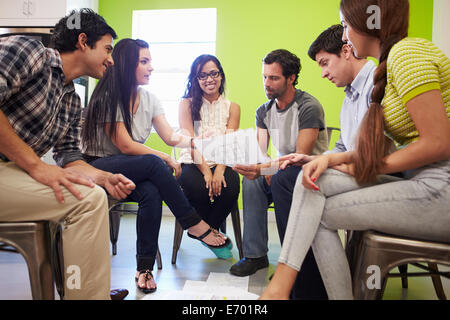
[(213, 74)]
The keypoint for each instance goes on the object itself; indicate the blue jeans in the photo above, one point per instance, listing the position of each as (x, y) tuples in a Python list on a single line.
[(257, 196), (154, 184)]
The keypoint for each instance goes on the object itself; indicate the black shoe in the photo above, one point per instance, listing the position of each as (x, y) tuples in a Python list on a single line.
[(118, 294), (248, 266)]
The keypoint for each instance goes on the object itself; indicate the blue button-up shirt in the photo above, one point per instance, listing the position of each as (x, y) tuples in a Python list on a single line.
[(356, 103)]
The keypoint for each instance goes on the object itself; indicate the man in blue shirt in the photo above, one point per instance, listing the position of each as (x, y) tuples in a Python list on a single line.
[(340, 66)]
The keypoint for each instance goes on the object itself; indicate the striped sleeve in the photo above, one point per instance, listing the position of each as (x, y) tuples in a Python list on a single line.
[(413, 69)]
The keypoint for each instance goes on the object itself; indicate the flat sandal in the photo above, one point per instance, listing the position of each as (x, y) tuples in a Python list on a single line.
[(148, 275)]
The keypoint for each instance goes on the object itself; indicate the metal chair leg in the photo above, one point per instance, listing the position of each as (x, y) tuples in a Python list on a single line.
[(158, 259), (178, 235), (235, 217), (437, 283), (114, 223), (404, 274)]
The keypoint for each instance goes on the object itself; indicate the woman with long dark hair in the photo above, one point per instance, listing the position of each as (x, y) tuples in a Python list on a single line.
[(351, 191), (211, 188), (118, 121)]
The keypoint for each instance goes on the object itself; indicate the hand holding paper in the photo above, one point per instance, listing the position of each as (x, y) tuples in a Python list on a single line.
[(239, 147)]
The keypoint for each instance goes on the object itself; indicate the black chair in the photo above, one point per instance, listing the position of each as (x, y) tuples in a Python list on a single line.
[(235, 218), (116, 209)]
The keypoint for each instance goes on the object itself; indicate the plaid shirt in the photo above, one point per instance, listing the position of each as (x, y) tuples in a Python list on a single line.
[(43, 111)]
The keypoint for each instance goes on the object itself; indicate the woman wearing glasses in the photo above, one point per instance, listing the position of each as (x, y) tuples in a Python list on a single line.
[(119, 119), (211, 188)]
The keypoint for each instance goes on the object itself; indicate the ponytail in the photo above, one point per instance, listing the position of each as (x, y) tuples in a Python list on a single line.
[(372, 145)]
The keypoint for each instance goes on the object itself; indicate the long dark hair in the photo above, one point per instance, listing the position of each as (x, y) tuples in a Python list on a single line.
[(193, 90), (372, 145), (116, 90)]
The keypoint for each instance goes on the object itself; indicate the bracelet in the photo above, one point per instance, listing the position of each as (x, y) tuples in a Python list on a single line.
[(192, 143)]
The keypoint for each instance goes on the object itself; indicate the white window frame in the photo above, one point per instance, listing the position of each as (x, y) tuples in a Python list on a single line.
[(176, 37)]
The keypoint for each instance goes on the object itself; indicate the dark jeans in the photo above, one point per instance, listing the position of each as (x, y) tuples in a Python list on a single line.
[(154, 184), (309, 284), (193, 184)]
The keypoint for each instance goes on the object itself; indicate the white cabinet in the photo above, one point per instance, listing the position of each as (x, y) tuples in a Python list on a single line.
[(13, 9), (24, 13), (36, 13)]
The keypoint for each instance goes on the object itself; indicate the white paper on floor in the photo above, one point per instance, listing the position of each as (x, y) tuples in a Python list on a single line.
[(218, 286)]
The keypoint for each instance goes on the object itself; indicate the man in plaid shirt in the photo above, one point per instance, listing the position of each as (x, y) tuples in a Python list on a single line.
[(39, 110)]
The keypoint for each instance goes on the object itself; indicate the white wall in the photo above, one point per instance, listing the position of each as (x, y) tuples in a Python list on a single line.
[(441, 25), (77, 4)]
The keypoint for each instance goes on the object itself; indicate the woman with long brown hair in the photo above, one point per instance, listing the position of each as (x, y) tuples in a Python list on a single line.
[(119, 119), (352, 190)]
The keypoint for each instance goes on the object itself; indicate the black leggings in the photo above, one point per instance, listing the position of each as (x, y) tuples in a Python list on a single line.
[(193, 184)]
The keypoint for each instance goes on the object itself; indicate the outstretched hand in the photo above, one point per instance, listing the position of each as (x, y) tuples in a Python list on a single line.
[(251, 172), (294, 159), (118, 186)]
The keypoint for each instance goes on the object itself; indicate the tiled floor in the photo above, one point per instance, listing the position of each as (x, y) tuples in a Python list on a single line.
[(195, 262)]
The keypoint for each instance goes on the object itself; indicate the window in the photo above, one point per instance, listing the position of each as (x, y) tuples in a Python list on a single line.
[(176, 38)]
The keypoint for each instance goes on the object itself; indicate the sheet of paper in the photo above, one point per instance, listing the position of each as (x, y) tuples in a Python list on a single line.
[(227, 280), (218, 286), (179, 295), (239, 147)]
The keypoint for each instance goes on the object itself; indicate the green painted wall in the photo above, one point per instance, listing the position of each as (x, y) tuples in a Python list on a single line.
[(248, 29)]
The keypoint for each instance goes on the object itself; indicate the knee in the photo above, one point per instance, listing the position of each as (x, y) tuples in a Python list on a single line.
[(231, 192), (286, 178), (251, 185), (277, 183), (93, 204), (147, 192), (155, 162), (94, 197)]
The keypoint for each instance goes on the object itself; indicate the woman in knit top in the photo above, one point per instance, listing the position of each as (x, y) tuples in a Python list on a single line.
[(352, 191)]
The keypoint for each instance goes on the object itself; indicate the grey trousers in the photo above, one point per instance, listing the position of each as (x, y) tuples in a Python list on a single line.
[(417, 207)]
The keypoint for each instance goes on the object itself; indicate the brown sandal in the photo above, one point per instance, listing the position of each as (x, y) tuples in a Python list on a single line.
[(216, 234), (148, 276)]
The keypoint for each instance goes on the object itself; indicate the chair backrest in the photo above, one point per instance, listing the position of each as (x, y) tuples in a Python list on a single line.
[(330, 131)]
